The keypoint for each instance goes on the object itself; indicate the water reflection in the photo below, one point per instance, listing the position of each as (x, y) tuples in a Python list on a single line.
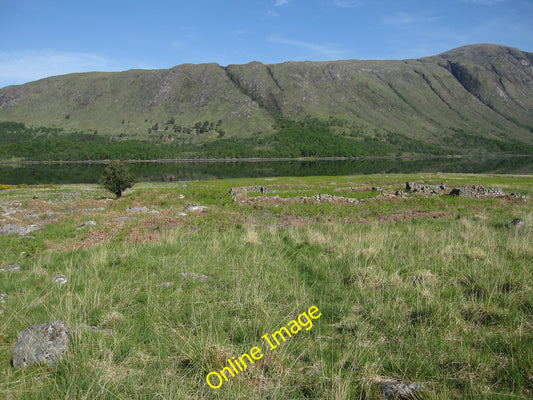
[(90, 173)]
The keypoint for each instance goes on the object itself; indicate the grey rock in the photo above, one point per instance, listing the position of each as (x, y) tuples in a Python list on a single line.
[(41, 343), (475, 191), (319, 198), (245, 189), (404, 391), (193, 207), (180, 214), (423, 187), (261, 189), (142, 209), (30, 229), (193, 275), (399, 193), (13, 267), (11, 229), (518, 222), (85, 224), (165, 284), (60, 279), (377, 189), (3, 298)]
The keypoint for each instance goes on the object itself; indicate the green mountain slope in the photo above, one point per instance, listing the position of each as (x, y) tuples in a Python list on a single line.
[(468, 98)]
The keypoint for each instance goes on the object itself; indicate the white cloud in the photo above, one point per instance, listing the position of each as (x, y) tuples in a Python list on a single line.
[(24, 66), (281, 2), (347, 3), (327, 51), (483, 2)]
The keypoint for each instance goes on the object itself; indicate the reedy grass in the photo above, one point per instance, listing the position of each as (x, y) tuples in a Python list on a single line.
[(446, 302)]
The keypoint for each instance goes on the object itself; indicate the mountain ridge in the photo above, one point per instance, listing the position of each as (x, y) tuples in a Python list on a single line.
[(482, 90)]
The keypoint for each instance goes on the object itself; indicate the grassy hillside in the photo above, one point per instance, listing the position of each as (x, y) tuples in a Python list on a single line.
[(420, 287), (479, 91)]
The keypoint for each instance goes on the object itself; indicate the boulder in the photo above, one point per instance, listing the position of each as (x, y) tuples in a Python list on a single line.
[(41, 343), (142, 209), (423, 187), (11, 229), (401, 390), (13, 267), (86, 223), (193, 207), (59, 279), (477, 191), (245, 189), (320, 198), (393, 389), (517, 222)]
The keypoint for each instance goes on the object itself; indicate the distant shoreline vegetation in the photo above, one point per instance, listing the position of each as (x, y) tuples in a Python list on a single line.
[(308, 139), (265, 160)]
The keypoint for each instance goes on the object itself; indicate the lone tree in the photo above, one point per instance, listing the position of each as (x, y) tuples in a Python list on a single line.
[(116, 178)]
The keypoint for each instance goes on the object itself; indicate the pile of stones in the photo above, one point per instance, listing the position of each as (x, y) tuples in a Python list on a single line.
[(424, 187), (477, 191), (320, 198)]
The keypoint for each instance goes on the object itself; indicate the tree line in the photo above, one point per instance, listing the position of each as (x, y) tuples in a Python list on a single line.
[(309, 137)]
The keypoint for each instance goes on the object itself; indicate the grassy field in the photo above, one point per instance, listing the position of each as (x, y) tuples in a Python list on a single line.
[(420, 287)]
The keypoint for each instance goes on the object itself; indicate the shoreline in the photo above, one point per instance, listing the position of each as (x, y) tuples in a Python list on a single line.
[(261, 159)]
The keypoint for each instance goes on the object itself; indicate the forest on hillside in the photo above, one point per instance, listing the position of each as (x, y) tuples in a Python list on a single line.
[(310, 137)]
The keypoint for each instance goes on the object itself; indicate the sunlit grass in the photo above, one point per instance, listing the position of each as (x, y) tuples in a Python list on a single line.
[(444, 301)]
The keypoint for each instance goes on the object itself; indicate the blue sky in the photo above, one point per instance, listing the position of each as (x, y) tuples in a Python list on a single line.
[(40, 38)]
